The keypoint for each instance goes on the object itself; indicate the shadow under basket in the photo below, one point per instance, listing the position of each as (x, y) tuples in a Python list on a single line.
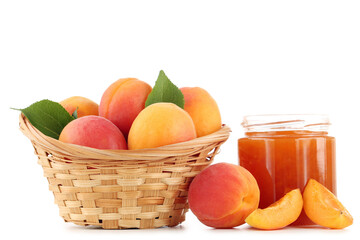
[(117, 189)]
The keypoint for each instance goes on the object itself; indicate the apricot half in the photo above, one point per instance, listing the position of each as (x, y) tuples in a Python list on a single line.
[(323, 208), (279, 214)]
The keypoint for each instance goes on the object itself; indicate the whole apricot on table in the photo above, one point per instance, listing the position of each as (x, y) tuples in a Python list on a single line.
[(223, 195), (279, 214), (203, 109), (323, 208), (161, 124), (84, 106), (95, 132), (122, 101)]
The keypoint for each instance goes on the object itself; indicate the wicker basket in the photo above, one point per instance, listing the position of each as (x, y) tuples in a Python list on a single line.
[(122, 188)]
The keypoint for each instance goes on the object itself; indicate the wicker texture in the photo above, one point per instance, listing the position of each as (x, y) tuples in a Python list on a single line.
[(122, 188)]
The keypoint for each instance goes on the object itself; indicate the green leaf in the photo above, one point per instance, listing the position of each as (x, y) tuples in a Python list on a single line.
[(48, 117), (75, 113), (165, 91)]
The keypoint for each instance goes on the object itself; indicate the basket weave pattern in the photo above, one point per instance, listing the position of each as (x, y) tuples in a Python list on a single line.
[(122, 188)]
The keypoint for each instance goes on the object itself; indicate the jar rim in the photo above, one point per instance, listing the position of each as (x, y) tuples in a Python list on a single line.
[(286, 122)]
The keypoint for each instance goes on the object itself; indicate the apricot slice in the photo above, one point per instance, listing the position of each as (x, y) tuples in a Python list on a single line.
[(279, 214), (323, 208)]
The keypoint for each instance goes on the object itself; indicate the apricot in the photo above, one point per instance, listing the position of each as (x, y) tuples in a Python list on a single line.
[(323, 208), (203, 110), (84, 106), (223, 195), (161, 124), (123, 101), (279, 214), (93, 131)]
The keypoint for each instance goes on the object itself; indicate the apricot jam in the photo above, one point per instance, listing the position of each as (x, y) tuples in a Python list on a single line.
[(284, 151)]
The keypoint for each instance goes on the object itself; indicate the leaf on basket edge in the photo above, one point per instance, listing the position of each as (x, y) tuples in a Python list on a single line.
[(48, 117)]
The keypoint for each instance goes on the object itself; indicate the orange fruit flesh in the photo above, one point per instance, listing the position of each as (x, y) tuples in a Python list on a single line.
[(323, 208), (279, 214)]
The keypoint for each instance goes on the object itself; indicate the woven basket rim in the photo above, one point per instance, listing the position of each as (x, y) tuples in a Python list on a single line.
[(77, 152)]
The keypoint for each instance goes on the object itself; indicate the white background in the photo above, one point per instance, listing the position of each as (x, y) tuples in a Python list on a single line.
[(254, 57)]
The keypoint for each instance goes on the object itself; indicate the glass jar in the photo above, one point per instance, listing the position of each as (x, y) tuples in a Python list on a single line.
[(284, 151)]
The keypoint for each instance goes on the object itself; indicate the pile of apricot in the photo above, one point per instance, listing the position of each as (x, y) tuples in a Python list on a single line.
[(221, 196), (226, 195), (121, 121)]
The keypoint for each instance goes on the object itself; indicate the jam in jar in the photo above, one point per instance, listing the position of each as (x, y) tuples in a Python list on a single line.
[(284, 151)]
